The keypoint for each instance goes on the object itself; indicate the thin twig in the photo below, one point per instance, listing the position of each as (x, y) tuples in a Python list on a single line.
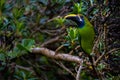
[(53, 40), (105, 39), (71, 52), (99, 58), (95, 44), (76, 48), (112, 50), (53, 19), (26, 68), (60, 47), (79, 70), (106, 54), (64, 67)]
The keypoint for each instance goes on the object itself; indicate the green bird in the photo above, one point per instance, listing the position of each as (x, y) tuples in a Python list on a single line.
[(86, 32)]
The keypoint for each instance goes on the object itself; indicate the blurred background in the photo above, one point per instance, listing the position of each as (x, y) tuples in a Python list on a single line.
[(25, 24)]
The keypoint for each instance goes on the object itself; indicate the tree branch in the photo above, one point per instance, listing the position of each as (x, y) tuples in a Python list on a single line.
[(58, 56)]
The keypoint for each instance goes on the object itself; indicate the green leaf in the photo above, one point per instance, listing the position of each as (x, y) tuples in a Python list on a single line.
[(2, 5), (77, 8), (17, 13), (2, 57), (19, 25), (60, 21), (26, 44), (66, 44), (100, 66), (72, 33), (91, 2), (23, 75), (21, 47), (45, 2)]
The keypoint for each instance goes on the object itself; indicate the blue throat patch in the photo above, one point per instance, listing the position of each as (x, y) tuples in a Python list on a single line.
[(81, 23)]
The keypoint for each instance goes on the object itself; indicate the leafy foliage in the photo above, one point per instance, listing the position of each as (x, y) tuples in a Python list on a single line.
[(22, 75), (25, 24)]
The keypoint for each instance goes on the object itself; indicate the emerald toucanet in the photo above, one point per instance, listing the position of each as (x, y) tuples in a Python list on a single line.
[(86, 32), (86, 35)]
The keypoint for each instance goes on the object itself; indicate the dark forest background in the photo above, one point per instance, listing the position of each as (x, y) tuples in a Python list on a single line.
[(27, 24)]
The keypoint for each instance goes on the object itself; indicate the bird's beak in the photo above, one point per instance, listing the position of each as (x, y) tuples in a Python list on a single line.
[(73, 17), (70, 16)]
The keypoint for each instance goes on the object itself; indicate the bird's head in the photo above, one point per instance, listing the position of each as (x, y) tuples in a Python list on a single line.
[(77, 18)]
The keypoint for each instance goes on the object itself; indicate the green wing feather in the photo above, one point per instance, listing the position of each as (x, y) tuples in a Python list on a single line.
[(86, 36)]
